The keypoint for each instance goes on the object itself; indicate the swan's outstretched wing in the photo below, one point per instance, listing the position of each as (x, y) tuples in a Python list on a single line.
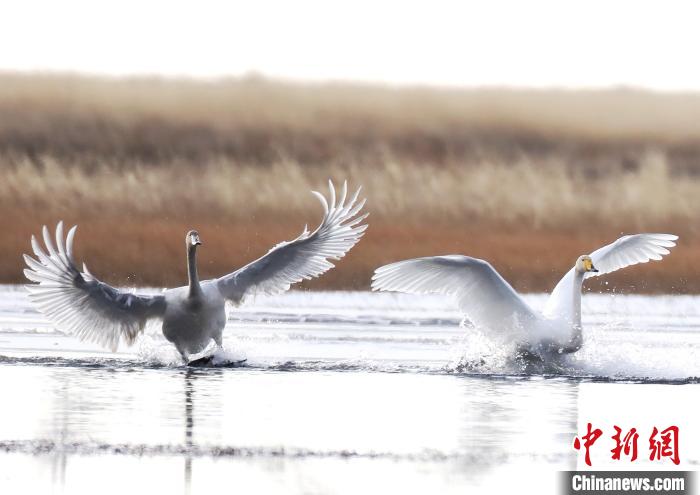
[(305, 257), (79, 303), (480, 292), (626, 251)]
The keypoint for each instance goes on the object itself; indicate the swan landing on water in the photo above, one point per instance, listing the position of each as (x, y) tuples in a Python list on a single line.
[(491, 304), (194, 315)]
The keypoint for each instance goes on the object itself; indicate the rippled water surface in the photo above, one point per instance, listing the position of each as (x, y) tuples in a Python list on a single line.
[(341, 393)]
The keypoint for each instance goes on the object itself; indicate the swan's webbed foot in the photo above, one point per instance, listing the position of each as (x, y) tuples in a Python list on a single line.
[(210, 361), (529, 355), (202, 362), (546, 357)]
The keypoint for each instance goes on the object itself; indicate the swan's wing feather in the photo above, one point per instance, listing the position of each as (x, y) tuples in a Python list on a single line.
[(630, 250), (307, 256), (480, 292), (79, 303), (626, 251)]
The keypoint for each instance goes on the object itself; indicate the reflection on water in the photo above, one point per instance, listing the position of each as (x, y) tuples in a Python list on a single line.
[(330, 405), (189, 427), (287, 432)]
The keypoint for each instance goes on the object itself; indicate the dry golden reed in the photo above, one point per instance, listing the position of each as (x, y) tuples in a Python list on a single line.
[(526, 179), (538, 196), (531, 221)]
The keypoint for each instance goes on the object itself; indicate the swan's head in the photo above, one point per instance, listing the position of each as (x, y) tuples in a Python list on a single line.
[(585, 264), (192, 238)]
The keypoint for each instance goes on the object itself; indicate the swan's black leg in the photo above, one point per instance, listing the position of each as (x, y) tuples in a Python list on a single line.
[(183, 355)]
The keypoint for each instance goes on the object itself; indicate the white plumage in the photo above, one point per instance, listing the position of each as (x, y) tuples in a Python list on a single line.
[(192, 315), (490, 303)]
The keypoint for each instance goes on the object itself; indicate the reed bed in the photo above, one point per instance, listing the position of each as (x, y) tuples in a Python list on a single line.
[(534, 195), (520, 216), (526, 179), (89, 120)]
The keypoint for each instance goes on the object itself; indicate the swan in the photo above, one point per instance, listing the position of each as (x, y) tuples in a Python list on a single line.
[(194, 315), (490, 303)]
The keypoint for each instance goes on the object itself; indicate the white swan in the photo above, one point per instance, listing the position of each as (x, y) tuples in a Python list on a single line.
[(194, 315), (490, 303)]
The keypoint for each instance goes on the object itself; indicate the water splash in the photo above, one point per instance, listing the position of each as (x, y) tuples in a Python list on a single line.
[(643, 338)]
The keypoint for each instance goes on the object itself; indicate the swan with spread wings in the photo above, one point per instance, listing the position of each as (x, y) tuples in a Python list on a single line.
[(194, 315), (490, 302)]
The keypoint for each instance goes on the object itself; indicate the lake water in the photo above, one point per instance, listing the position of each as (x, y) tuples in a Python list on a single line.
[(342, 393)]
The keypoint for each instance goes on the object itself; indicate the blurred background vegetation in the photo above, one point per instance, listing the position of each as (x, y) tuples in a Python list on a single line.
[(528, 179)]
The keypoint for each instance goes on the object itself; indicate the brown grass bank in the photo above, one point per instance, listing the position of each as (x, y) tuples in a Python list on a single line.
[(530, 221), (526, 179), (88, 120)]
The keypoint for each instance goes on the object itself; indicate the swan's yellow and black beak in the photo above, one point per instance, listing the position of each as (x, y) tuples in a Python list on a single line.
[(588, 265)]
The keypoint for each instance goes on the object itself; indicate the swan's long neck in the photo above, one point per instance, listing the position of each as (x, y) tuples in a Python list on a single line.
[(195, 288), (577, 331)]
